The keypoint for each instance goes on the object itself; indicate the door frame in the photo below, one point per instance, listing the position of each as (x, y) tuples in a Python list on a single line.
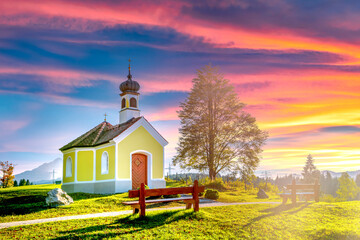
[(149, 166)]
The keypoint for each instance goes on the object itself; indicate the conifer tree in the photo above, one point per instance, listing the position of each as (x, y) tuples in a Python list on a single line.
[(15, 183), (215, 133), (22, 182), (27, 182), (310, 173)]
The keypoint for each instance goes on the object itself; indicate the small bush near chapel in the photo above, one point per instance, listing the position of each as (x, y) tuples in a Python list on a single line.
[(212, 194), (217, 184), (171, 196)]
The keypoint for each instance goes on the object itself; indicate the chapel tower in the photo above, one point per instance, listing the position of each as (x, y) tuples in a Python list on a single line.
[(129, 99)]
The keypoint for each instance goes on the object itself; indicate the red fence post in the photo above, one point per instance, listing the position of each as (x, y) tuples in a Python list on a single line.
[(196, 196), (142, 200)]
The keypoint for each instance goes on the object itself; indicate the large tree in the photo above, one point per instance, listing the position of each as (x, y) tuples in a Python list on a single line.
[(215, 133), (7, 169), (310, 173)]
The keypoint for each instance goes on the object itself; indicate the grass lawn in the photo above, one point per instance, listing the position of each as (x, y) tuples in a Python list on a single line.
[(240, 195), (262, 221), (28, 202)]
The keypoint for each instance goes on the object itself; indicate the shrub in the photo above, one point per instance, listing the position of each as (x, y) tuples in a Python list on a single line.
[(189, 181), (328, 198), (146, 187), (235, 184), (182, 180), (218, 184), (269, 187), (204, 181), (171, 196), (212, 194)]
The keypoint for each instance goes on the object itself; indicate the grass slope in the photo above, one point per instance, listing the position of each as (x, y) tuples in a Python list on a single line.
[(28, 202), (303, 221), (240, 195)]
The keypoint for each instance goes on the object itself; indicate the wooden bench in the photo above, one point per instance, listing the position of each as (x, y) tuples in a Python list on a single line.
[(309, 191), (143, 193)]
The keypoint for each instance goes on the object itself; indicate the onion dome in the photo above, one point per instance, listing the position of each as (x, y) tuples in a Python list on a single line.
[(129, 85)]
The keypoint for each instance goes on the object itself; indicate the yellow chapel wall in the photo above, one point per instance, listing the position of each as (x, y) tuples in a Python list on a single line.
[(85, 165), (111, 152), (65, 156), (140, 139)]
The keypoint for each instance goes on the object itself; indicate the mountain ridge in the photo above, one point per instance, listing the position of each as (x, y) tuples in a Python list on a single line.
[(43, 173)]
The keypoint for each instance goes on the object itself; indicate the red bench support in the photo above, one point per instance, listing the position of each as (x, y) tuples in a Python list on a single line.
[(143, 193)]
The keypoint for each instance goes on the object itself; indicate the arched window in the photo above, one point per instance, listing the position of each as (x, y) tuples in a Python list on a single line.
[(105, 163), (68, 172), (133, 102), (123, 102)]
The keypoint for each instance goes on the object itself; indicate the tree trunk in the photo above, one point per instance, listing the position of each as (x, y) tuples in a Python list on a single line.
[(212, 174), (211, 158)]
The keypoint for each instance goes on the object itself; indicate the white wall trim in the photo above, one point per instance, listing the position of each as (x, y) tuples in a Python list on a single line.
[(149, 165), (107, 180), (94, 169), (116, 161), (163, 177), (76, 154), (147, 126)]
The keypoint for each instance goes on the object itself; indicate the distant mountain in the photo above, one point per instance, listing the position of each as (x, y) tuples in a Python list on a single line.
[(44, 173), (338, 174)]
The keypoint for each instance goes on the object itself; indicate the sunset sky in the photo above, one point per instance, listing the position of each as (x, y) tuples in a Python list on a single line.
[(296, 64)]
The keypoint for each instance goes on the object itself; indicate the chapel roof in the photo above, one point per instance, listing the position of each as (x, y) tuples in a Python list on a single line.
[(102, 133)]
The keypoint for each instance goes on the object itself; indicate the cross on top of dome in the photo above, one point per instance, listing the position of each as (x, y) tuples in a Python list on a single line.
[(129, 76), (129, 85)]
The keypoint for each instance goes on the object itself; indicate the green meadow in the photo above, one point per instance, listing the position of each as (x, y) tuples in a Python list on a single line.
[(337, 220), (261, 221), (28, 202)]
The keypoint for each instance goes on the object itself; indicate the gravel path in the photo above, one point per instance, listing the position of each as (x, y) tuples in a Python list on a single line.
[(113, 214)]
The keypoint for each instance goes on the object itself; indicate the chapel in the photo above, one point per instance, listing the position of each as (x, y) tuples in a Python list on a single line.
[(116, 158)]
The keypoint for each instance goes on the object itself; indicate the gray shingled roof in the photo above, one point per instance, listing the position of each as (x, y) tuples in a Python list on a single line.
[(102, 133)]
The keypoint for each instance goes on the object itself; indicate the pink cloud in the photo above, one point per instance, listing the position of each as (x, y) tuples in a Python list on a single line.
[(74, 78), (66, 100), (65, 77), (164, 83), (164, 114), (120, 12), (9, 127)]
